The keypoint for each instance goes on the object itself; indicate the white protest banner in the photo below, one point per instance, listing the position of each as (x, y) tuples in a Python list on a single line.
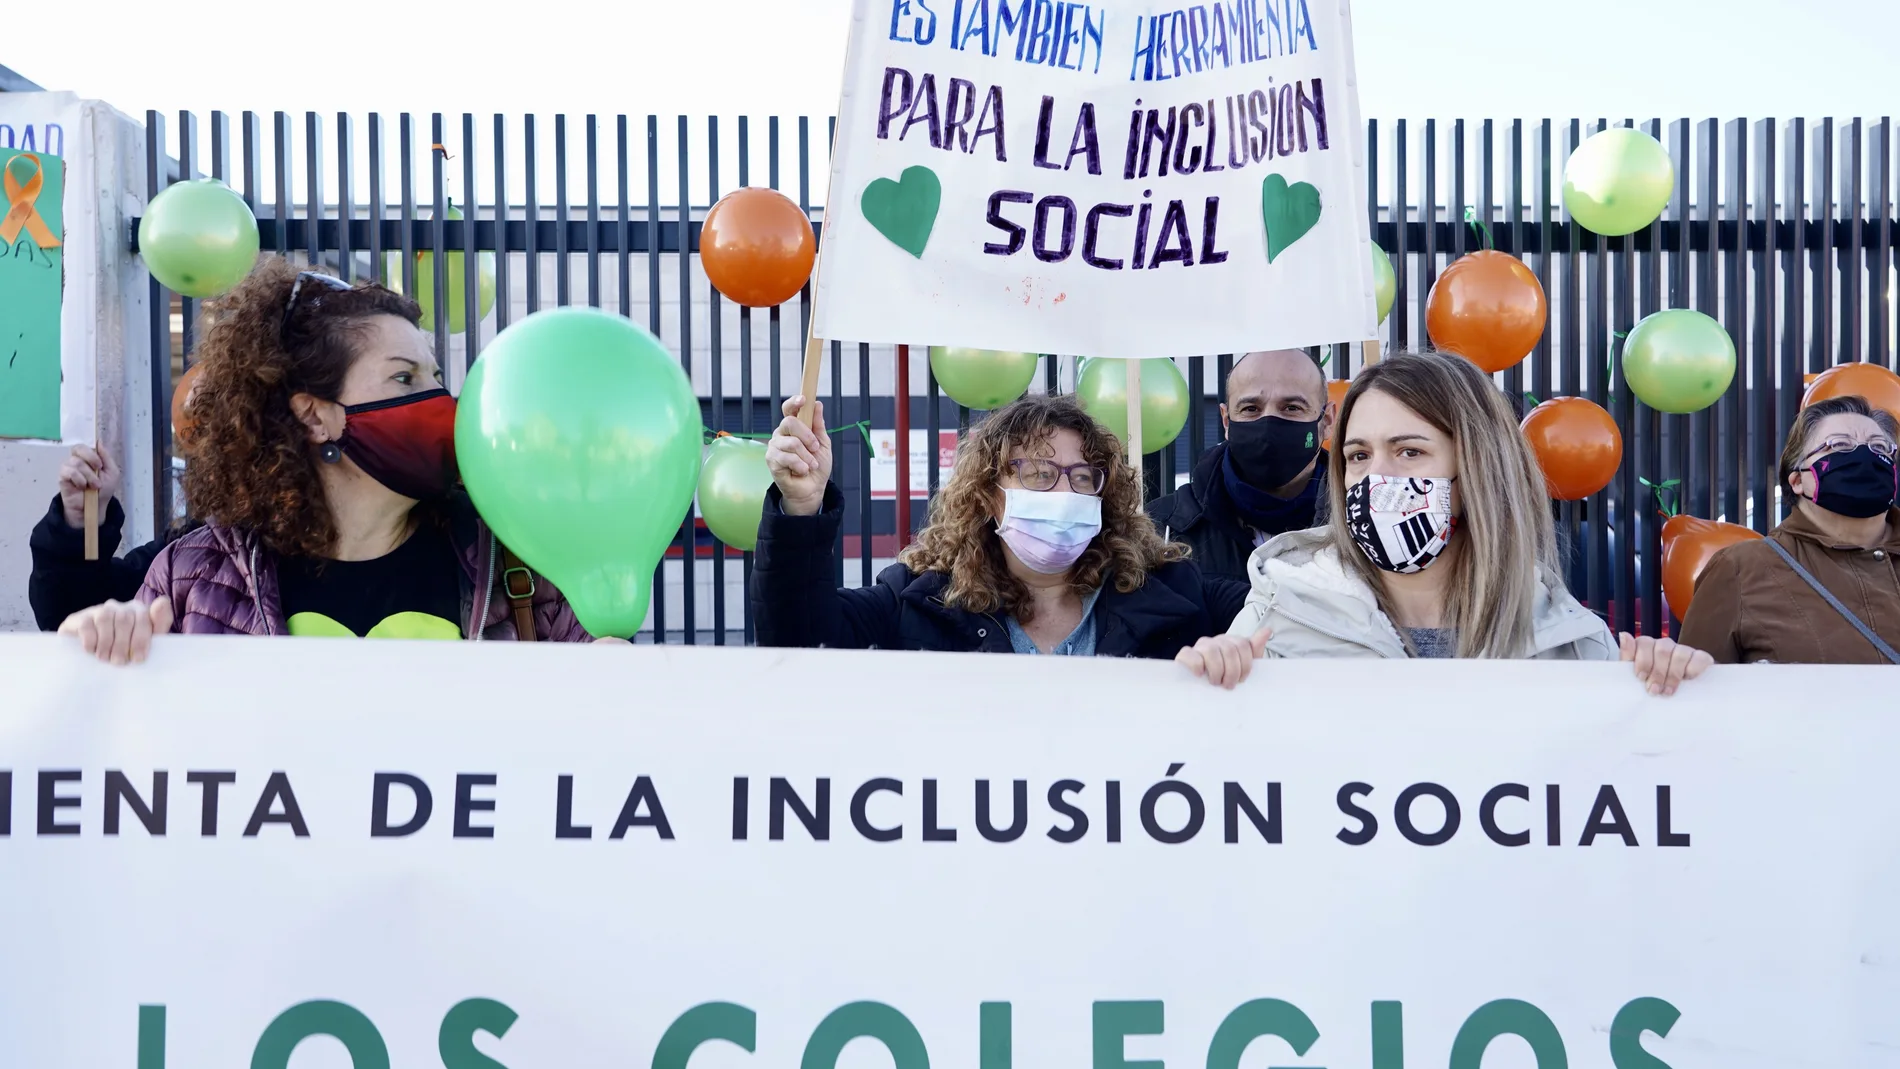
[(378, 854), (1123, 178)]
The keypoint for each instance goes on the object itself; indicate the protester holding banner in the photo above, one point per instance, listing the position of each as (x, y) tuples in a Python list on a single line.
[(1440, 543), (1822, 588), (1037, 544), (63, 581), (1269, 475), (323, 461)]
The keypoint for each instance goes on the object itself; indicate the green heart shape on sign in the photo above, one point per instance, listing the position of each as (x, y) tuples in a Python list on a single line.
[(905, 210), (1289, 212)]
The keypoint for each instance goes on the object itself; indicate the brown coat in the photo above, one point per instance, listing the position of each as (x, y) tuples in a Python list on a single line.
[(1750, 606)]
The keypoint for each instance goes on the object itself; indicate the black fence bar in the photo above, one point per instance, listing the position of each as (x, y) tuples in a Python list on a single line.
[(717, 367), (653, 324), (688, 535), (1650, 451), (1763, 429)]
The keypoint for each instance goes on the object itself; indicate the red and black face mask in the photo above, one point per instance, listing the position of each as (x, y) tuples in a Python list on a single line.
[(405, 443)]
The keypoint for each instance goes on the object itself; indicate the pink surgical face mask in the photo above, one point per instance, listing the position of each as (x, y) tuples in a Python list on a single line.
[(1049, 530)]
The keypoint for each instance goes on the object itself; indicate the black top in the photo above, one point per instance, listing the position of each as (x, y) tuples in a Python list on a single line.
[(64, 582), (1201, 516), (796, 603), (415, 591)]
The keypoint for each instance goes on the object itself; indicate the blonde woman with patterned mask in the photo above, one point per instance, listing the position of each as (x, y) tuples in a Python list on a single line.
[(1440, 544)]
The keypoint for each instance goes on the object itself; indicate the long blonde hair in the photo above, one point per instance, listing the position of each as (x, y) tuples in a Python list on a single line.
[(1506, 528), (961, 541)]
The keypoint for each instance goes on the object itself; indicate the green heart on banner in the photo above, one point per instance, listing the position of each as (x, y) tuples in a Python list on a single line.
[(1289, 212), (905, 210)]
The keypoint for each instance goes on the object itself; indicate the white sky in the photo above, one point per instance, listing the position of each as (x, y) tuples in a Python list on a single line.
[(1452, 58), (1470, 59)]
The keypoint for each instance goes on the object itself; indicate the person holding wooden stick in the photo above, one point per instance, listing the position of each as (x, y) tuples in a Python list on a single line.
[(64, 579), (1036, 545)]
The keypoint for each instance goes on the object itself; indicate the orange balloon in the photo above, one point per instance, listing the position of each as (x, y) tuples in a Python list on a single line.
[(1879, 386), (1488, 308), (757, 247), (1577, 444), (181, 401), (1687, 544), (1335, 396)]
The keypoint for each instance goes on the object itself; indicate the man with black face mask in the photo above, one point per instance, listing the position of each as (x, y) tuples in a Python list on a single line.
[(1267, 477)]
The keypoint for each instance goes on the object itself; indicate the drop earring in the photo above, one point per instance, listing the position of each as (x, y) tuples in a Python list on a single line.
[(330, 453)]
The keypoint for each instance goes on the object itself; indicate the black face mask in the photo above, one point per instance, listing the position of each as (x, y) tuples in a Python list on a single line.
[(1270, 452), (1858, 483)]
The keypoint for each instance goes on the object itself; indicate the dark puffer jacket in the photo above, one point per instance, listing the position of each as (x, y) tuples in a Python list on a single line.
[(64, 581), (797, 603), (223, 581), (1200, 516)]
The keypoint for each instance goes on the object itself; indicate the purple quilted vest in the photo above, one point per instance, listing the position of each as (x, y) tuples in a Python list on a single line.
[(223, 581)]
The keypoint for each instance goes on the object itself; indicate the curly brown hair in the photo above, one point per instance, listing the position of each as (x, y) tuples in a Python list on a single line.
[(960, 539), (251, 464)]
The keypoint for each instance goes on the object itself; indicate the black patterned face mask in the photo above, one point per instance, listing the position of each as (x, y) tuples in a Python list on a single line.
[(1401, 524)]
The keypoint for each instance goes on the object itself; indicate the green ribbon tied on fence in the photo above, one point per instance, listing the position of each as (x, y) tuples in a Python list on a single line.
[(863, 427), (1484, 232), (1666, 509)]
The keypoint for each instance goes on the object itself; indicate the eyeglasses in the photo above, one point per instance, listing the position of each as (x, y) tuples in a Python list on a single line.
[(329, 282), (1880, 445), (1036, 474)]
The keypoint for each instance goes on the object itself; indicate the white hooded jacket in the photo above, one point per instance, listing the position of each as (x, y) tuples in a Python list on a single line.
[(1318, 608)]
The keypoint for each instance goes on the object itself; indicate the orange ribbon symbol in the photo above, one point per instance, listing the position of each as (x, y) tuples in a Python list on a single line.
[(22, 211)]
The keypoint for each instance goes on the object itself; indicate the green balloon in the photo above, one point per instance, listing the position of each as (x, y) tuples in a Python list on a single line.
[(1618, 181), (1679, 361), (1385, 284), (732, 486), (982, 378), (579, 438), (457, 283), (1103, 392), (198, 238)]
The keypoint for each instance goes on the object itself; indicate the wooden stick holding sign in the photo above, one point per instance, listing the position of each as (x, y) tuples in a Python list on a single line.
[(92, 524), (1134, 416)]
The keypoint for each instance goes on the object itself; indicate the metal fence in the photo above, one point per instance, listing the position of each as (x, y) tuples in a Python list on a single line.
[(1783, 231)]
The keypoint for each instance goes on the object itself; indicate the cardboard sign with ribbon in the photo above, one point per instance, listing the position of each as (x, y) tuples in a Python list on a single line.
[(32, 186)]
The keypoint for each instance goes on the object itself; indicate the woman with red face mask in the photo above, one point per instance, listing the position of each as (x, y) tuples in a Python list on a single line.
[(323, 464)]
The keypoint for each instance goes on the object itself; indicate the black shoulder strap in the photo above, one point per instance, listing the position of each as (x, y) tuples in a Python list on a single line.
[(1865, 631)]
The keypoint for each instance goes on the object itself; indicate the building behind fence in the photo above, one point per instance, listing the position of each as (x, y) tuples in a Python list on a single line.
[(1782, 231)]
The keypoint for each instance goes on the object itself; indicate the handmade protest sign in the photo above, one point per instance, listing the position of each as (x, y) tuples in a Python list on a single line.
[(1129, 178), (312, 854), (32, 185)]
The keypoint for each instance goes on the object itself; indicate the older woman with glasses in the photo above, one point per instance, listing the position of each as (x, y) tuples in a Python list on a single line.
[(323, 465), (1037, 545), (1824, 587)]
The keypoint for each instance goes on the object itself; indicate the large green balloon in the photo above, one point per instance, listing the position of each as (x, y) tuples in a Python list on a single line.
[(732, 486), (1618, 181), (1679, 361), (1103, 392), (579, 438), (1385, 284), (457, 283), (982, 378), (198, 238)]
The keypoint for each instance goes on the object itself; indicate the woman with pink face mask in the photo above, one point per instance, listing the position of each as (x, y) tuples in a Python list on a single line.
[(1037, 545)]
